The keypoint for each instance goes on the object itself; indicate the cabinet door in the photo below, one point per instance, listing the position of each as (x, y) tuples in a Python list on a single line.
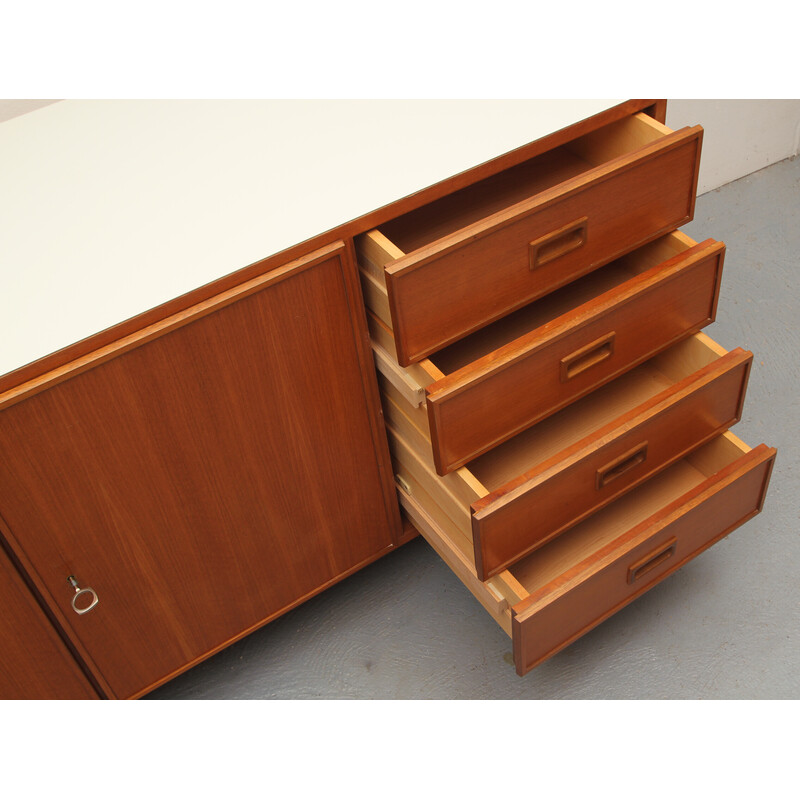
[(203, 476), (34, 663)]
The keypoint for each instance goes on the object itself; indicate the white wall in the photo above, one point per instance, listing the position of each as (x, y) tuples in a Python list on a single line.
[(741, 136)]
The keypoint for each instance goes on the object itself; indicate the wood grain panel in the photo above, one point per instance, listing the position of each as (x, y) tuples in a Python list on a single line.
[(34, 663), (470, 278), (563, 490), (526, 381), (592, 590), (207, 479)]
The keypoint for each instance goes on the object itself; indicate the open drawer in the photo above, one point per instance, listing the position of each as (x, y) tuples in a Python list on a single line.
[(533, 488), (502, 379), (580, 579), (474, 256)]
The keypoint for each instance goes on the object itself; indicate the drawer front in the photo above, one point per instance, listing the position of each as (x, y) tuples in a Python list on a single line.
[(583, 597), (495, 397), (466, 280), (526, 513)]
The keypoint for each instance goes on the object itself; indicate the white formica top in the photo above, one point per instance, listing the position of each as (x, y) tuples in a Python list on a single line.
[(110, 208)]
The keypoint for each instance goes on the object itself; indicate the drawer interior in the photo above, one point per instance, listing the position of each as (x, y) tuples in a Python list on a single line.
[(520, 323), (549, 437), (491, 472), (563, 301), (425, 225), (587, 538)]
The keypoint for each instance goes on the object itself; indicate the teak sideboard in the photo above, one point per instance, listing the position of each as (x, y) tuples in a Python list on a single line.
[(479, 323)]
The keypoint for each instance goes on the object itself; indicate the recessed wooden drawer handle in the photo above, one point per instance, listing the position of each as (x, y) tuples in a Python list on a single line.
[(558, 243), (619, 466), (593, 353), (651, 561), (88, 593)]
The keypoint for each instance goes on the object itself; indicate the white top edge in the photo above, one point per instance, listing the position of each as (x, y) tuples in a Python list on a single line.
[(110, 208)]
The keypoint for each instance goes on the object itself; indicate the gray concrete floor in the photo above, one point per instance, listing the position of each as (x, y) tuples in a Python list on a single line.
[(725, 626)]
